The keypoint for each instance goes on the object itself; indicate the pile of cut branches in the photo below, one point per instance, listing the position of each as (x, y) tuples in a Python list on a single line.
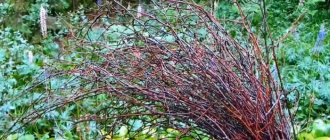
[(173, 65)]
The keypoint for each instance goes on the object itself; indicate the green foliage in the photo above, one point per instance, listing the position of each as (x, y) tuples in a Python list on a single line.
[(17, 69), (304, 61), (319, 130), (23, 64), (303, 57), (26, 58), (304, 67), (5, 10)]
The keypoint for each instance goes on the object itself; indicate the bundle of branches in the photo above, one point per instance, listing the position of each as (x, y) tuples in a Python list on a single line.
[(174, 63)]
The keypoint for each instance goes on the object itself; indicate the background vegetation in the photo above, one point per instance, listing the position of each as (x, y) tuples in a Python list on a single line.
[(297, 31)]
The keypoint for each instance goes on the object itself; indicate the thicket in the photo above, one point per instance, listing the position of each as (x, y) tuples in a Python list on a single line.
[(174, 71)]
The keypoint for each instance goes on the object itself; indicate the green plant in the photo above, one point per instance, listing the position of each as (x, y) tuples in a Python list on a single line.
[(26, 59), (5, 10)]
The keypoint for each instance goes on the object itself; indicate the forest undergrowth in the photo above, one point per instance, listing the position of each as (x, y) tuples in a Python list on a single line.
[(164, 70)]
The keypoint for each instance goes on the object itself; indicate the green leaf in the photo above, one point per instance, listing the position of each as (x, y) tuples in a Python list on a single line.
[(136, 124), (26, 137), (123, 131), (12, 137), (170, 38), (323, 138), (2, 54), (320, 128), (305, 136)]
